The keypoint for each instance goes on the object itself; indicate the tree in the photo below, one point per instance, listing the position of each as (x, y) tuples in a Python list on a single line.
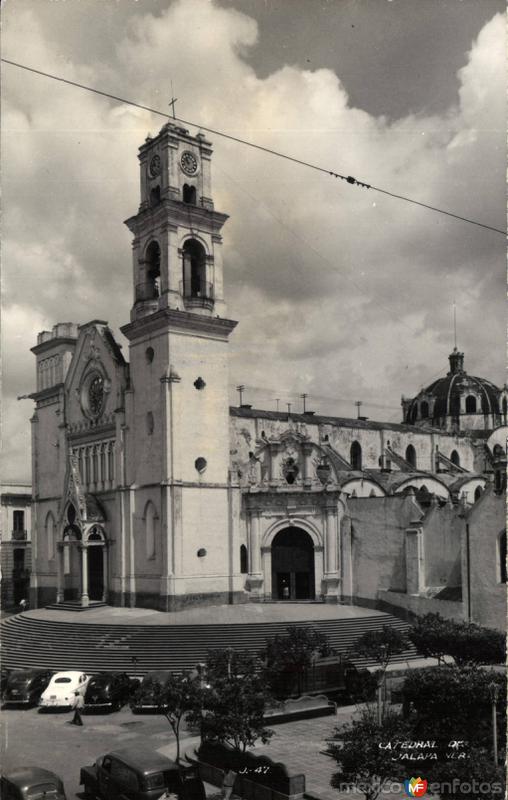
[(468, 779), (381, 646), (431, 635), (179, 697), (466, 642), (359, 750), (288, 657), (236, 699), (454, 703)]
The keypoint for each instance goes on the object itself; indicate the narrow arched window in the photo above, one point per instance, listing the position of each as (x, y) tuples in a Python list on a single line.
[(411, 455), (152, 271), (150, 523), (50, 535), (356, 456), (504, 406), (194, 270), (455, 458), (244, 564), (477, 493), (470, 404), (424, 410), (189, 194), (502, 556), (155, 196)]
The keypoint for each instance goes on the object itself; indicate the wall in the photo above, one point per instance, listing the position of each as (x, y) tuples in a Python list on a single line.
[(484, 594), (442, 531), (377, 555)]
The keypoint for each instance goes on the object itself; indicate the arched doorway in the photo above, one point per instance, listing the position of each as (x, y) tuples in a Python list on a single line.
[(96, 559), (293, 565), (95, 573)]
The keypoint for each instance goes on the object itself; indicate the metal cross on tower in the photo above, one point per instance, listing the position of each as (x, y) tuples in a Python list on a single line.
[(173, 101)]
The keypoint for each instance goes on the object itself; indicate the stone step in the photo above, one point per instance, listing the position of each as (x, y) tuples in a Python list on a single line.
[(32, 642)]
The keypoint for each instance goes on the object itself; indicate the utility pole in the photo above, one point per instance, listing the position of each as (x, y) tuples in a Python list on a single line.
[(240, 389), (304, 397)]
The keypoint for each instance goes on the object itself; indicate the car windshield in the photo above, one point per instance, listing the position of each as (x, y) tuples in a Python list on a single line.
[(99, 683), (63, 680), (43, 790), (19, 680)]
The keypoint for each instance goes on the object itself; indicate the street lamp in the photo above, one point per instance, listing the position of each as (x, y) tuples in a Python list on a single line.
[(494, 695), (381, 684)]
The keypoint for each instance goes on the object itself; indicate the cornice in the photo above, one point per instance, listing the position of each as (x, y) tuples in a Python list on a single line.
[(176, 212), (179, 321), (51, 343), (45, 394)]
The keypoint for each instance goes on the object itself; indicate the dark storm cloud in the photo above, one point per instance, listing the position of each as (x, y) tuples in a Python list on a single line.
[(340, 292)]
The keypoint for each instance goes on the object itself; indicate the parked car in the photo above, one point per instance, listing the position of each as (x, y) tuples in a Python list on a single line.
[(109, 691), (144, 698), (3, 679), (62, 688), (31, 783), (25, 686), (136, 772)]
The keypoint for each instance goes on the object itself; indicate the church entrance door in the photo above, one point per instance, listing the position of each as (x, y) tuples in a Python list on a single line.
[(293, 565), (95, 572)]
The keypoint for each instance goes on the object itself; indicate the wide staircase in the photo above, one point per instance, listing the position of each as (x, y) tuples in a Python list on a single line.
[(137, 649)]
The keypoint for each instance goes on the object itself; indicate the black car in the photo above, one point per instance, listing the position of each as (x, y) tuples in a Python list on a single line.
[(31, 782), (3, 680), (144, 698), (25, 686), (136, 772), (108, 691)]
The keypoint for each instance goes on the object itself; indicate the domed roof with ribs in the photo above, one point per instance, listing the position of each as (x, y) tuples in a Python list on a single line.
[(456, 394)]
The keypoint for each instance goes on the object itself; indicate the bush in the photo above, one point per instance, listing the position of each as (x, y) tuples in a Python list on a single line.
[(362, 764), (448, 703), (466, 642), (288, 657)]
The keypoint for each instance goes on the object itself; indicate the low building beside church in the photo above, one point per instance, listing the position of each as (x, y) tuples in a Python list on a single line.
[(149, 490)]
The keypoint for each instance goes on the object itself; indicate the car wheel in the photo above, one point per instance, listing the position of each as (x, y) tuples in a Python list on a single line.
[(87, 793)]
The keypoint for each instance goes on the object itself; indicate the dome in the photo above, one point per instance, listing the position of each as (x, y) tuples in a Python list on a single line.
[(457, 401)]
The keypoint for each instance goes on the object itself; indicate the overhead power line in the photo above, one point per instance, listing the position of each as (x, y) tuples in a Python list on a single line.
[(348, 178)]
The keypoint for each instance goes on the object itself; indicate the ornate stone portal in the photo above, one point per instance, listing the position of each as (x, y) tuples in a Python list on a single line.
[(316, 513)]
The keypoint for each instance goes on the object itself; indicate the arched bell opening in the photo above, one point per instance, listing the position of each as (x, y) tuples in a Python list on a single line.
[(292, 565), (195, 288)]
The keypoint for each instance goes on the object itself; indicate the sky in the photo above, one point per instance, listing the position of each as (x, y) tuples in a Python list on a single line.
[(340, 292)]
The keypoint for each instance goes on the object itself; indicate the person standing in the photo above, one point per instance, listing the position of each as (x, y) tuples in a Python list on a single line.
[(78, 706)]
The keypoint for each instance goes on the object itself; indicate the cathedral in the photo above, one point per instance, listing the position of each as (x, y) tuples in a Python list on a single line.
[(149, 490)]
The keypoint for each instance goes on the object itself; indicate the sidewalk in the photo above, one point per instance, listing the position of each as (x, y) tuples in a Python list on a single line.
[(299, 746)]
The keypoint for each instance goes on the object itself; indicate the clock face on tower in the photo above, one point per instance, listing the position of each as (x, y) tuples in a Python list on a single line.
[(188, 163)]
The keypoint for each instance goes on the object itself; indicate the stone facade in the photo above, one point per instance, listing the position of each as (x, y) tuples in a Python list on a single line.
[(16, 544), (150, 491)]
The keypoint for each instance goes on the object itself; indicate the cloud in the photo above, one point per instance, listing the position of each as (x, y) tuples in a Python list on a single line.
[(340, 291)]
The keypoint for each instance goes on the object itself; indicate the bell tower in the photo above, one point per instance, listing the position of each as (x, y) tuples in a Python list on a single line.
[(177, 244), (181, 548)]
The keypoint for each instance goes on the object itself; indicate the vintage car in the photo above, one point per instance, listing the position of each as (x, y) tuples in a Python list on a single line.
[(144, 699), (25, 686), (3, 679), (62, 688), (109, 691), (31, 783), (136, 772)]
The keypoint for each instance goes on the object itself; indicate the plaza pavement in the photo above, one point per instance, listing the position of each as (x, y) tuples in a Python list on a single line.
[(47, 740)]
